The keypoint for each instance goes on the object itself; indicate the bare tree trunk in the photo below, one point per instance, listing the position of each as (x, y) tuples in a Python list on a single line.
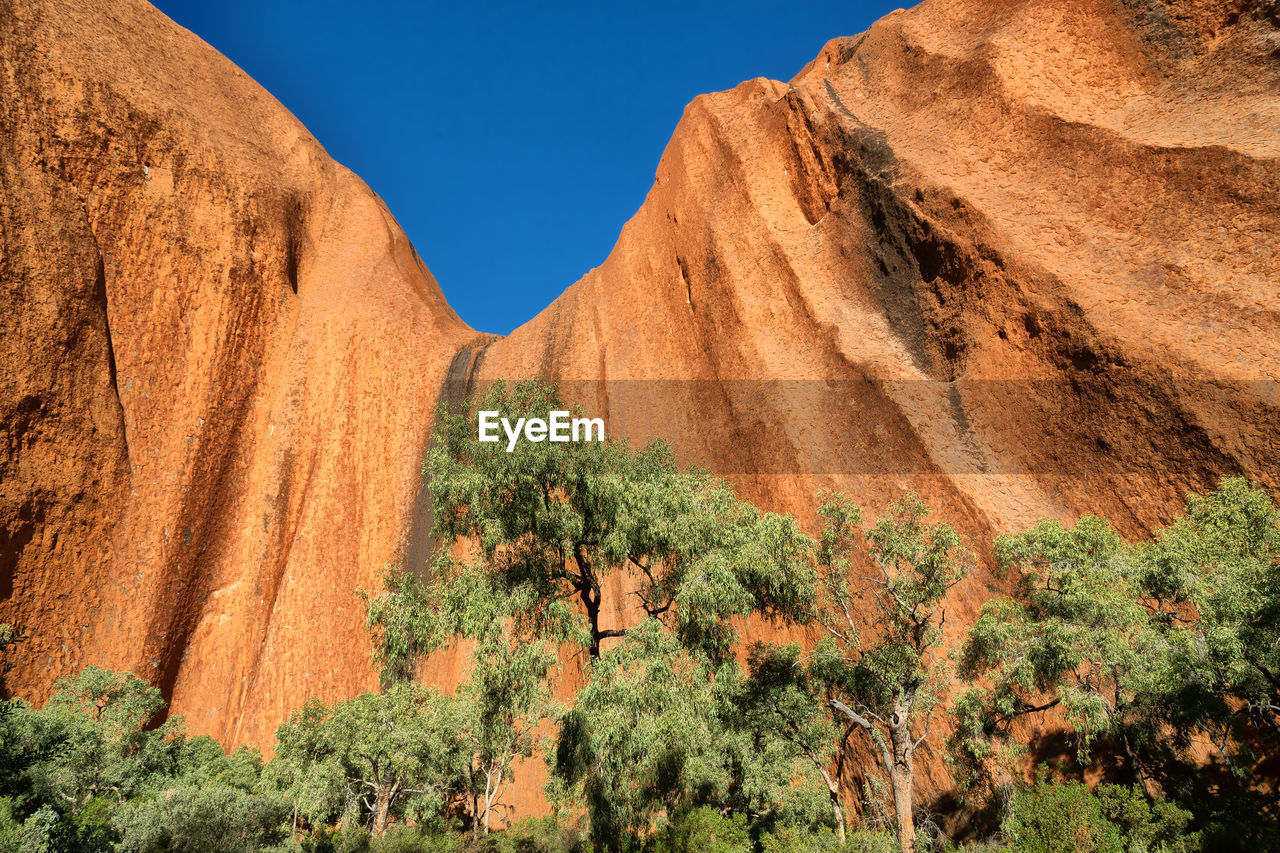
[(896, 755), (491, 786), (902, 806), (902, 777), (382, 804), (837, 808)]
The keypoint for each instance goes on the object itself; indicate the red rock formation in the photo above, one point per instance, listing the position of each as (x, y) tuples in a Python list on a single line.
[(221, 357), (1033, 246), (1019, 256)]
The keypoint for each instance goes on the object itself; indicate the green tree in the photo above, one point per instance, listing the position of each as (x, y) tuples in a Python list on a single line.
[(1066, 817), (655, 732), (396, 752), (780, 697), (1075, 637), (1156, 647), (888, 685), (101, 721), (560, 525), (705, 830), (1158, 827), (499, 709), (1146, 645), (533, 540), (1215, 574)]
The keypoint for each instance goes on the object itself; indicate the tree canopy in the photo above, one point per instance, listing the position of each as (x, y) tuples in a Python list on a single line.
[(558, 527)]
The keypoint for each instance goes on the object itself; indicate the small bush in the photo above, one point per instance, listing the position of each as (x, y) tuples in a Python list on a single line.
[(540, 835), (1159, 827), (1060, 817), (703, 830), (789, 839), (201, 820)]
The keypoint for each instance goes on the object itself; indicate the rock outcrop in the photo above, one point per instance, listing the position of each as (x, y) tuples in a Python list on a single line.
[(1022, 257), (1027, 251), (221, 359)]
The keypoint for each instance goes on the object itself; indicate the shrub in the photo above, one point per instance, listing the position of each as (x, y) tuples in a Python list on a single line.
[(540, 835), (704, 830), (202, 820), (1159, 827), (1062, 817), (790, 839)]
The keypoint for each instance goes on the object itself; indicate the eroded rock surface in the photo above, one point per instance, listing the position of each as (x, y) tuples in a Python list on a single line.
[(1021, 257), (221, 358)]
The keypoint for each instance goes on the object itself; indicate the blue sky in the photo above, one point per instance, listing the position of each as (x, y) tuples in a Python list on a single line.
[(511, 140)]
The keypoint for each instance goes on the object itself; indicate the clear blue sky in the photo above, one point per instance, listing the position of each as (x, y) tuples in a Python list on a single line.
[(511, 140)]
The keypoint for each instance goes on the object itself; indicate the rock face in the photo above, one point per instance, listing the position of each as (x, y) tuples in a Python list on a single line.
[(1022, 257), (1024, 254), (221, 357)]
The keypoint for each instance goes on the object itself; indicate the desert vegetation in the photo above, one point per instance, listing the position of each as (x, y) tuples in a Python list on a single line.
[(1111, 695)]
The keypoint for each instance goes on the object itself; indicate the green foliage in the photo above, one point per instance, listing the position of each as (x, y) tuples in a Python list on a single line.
[(794, 839), (554, 521), (1066, 817), (654, 733), (704, 830), (541, 835), (500, 708), (203, 763), (1060, 818), (779, 702), (1159, 827), (100, 721), (531, 540), (886, 686), (1154, 649), (219, 819), (642, 735), (1221, 561), (1150, 645), (373, 756), (1073, 636), (779, 697)]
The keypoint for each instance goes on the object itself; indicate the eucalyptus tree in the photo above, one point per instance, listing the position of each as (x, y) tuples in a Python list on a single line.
[(1146, 645), (543, 546), (780, 696), (1073, 637), (107, 745), (886, 684), (559, 528), (500, 709), (395, 752), (1215, 573), (659, 731), (497, 710)]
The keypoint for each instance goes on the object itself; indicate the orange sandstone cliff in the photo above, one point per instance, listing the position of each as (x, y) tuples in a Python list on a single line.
[(1021, 256), (220, 362)]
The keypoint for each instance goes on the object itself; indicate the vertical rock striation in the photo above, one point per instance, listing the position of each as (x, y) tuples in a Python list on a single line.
[(221, 357)]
